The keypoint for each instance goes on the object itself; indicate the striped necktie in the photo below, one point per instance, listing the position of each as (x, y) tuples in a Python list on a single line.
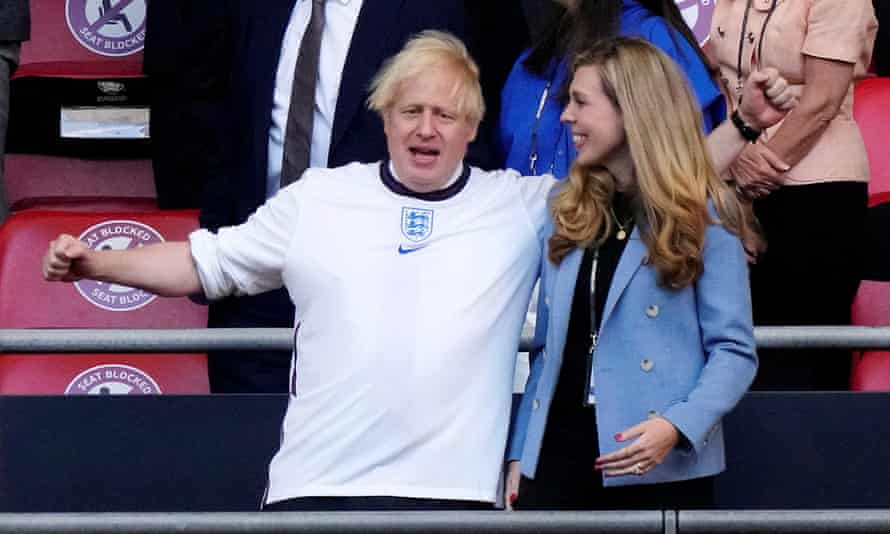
[(298, 133)]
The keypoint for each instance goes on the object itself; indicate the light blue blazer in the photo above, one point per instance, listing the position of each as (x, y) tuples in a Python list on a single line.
[(686, 355)]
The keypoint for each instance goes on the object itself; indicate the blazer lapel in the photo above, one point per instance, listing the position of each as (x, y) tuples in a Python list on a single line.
[(630, 261), (372, 42), (562, 295)]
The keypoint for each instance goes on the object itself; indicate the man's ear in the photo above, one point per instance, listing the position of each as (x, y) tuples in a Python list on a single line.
[(475, 130)]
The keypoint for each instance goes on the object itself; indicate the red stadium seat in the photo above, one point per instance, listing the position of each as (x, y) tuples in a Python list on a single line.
[(56, 182), (78, 101), (871, 369), (27, 301), (871, 109), (67, 38)]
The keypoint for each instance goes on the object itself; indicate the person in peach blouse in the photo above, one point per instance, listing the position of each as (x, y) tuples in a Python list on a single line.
[(807, 176)]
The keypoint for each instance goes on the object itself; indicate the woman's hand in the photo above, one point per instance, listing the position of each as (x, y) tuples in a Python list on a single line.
[(655, 439), (757, 170), (766, 98), (511, 485)]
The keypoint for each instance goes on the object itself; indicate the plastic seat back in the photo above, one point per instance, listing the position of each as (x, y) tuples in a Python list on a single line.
[(871, 368), (28, 301), (871, 109), (79, 105)]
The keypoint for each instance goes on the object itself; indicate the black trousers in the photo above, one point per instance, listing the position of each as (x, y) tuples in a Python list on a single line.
[(808, 275), (584, 491), (566, 480), (372, 503)]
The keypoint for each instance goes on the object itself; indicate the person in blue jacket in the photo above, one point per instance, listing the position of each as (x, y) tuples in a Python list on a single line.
[(530, 136), (644, 338)]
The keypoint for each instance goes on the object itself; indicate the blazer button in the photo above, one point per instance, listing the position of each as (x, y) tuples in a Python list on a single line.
[(652, 311), (535, 404), (647, 365), (547, 301)]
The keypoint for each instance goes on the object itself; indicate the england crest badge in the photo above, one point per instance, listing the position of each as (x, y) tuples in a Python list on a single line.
[(417, 223)]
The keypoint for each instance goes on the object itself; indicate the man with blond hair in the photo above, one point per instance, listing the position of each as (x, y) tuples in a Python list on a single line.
[(410, 278)]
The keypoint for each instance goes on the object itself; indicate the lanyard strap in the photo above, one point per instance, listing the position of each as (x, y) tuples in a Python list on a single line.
[(589, 397), (533, 152), (759, 54)]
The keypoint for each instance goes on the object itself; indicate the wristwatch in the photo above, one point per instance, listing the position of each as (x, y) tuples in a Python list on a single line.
[(748, 132)]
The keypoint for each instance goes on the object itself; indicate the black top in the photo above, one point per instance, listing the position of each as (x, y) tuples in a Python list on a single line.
[(565, 442)]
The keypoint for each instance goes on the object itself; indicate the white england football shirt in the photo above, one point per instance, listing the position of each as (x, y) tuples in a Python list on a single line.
[(409, 308)]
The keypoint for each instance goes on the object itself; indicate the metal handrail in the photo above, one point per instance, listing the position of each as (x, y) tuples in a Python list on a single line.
[(23, 341), (618, 522)]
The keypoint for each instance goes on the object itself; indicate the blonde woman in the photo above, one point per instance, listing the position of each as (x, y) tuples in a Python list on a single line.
[(645, 321)]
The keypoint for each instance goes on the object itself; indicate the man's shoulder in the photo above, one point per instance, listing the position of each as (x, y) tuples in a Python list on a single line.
[(341, 180), (352, 170)]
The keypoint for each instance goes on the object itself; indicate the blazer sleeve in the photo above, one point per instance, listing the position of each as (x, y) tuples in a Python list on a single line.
[(519, 428), (723, 299)]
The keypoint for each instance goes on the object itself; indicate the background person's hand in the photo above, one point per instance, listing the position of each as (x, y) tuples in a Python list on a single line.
[(63, 259), (757, 170), (652, 439), (511, 485), (766, 98)]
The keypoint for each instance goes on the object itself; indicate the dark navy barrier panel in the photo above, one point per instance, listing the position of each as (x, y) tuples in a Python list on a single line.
[(183, 453), (807, 450), (128, 454)]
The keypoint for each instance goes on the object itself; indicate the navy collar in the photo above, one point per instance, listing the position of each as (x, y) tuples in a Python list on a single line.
[(399, 188)]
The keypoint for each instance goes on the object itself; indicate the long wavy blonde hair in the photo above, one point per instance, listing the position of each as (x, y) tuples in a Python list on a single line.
[(674, 175)]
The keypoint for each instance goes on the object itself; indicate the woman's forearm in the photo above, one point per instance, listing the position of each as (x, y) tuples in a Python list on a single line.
[(827, 83), (725, 143)]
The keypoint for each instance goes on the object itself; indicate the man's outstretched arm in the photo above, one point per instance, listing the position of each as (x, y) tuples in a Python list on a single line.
[(166, 269)]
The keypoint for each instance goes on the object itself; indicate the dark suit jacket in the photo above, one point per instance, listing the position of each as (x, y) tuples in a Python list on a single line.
[(188, 61), (882, 41), (15, 20), (237, 182)]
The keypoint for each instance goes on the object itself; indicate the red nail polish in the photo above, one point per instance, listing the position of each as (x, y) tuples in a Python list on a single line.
[(513, 498), (598, 468), (618, 437)]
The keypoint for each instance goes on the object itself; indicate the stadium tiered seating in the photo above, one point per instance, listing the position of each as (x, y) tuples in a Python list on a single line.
[(27, 301), (871, 109), (78, 133), (871, 369)]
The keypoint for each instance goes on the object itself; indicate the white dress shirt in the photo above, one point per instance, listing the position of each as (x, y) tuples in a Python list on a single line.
[(340, 20)]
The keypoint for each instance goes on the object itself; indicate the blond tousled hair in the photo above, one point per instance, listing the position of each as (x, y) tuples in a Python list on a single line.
[(428, 51), (674, 174)]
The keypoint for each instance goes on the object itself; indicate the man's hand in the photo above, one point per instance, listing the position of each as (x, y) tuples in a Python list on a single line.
[(654, 440), (64, 261), (766, 98), (511, 485)]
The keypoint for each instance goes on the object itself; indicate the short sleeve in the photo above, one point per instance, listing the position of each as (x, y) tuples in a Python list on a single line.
[(248, 259), (535, 191), (839, 29)]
